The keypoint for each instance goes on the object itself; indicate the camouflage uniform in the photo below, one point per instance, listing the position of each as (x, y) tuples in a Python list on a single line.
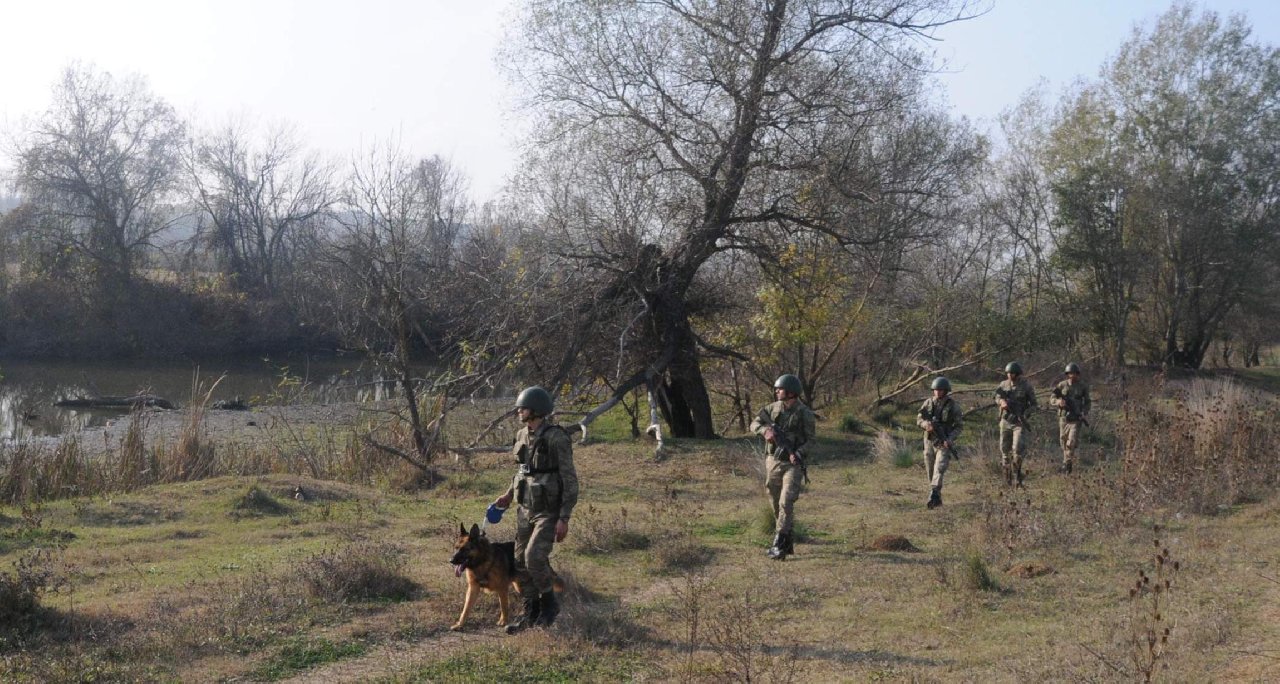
[(1014, 428), (949, 416), (783, 478), (1069, 425), (546, 488)]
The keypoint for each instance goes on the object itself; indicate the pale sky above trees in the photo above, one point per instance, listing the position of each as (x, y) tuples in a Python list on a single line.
[(350, 74)]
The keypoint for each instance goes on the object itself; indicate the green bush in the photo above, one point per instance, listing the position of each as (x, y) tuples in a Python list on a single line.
[(977, 576)]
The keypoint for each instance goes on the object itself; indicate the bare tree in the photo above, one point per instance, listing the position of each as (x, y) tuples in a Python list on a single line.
[(735, 118), (257, 195), (102, 166), (393, 232)]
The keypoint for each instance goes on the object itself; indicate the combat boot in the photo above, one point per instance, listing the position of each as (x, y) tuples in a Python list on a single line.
[(935, 498), (788, 546), (1066, 468), (775, 549), (1008, 475), (549, 608), (1017, 473), (532, 610)]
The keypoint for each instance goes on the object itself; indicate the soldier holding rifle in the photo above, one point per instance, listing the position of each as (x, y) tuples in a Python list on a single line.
[(1071, 396), (941, 419), (1016, 399), (786, 425)]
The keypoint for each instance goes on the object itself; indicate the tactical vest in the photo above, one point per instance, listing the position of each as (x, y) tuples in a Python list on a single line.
[(537, 485), (790, 422)]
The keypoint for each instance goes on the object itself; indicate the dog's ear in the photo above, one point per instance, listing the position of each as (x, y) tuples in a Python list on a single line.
[(475, 530), (462, 529)]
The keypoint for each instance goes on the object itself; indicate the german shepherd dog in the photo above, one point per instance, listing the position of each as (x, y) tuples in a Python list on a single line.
[(489, 566)]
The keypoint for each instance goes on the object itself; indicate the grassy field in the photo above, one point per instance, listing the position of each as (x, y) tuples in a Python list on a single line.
[(285, 578)]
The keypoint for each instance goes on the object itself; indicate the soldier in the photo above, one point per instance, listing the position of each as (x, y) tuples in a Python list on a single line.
[(1073, 402), (1016, 399), (785, 424), (546, 487), (941, 419)]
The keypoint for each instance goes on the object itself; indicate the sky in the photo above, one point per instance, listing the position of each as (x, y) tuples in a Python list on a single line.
[(349, 75)]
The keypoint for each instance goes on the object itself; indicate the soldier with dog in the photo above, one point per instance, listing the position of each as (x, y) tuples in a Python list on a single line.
[(546, 489)]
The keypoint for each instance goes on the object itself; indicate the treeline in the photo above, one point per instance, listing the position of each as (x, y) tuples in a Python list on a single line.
[(712, 194)]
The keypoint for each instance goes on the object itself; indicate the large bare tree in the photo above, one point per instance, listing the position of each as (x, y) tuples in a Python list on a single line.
[(102, 166), (258, 194), (734, 118)]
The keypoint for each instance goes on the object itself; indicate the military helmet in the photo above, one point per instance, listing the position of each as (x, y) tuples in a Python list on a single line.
[(537, 400), (1072, 367), (941, 383), (1013, 367), (789, 383)]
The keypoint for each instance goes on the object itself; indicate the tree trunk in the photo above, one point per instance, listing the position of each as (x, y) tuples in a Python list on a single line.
[(687, 408), (690, 402)]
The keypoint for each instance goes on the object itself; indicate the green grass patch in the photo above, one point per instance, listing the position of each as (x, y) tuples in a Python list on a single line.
[(728, 529), (298, 655), (258, 501), (977, 576), (612, 427), (493, 665), (850, 424), (25, 537), (765, 524)]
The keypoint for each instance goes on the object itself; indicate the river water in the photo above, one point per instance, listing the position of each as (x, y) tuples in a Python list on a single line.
[(28, 389)]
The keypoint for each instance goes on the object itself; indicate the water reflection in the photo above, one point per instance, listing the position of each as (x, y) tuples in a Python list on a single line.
[(28, 390)]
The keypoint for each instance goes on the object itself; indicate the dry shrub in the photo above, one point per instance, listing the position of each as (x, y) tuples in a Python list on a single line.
[(733, 630), (193, 456), (230, 614), (362, 570), (592, 618), (1141, 644), (740, 639), (1211, 447), (134, 466), (34, 574), (891, 542), (602, 532), (886, 448), (258, 501), (681, 553)]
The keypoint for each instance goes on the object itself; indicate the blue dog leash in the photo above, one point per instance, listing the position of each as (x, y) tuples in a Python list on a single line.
[(492, 515)]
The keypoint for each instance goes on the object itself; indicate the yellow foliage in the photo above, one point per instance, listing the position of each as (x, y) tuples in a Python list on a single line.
[(801, 308)]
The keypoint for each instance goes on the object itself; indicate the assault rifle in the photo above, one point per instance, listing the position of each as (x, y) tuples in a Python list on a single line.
[(1015, 410), (785, 447), (938, 435), (1073, 409)]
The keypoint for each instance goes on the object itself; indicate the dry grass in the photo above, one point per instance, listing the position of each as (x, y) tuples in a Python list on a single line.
[(165, 584)]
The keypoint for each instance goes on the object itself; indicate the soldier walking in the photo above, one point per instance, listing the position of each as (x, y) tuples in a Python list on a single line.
[(546, 488), (1073, 402), (1016, 399), (786, 425), (941, 419)]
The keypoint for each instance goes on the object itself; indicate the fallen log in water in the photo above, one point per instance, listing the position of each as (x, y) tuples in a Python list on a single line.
[(135, 401)]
